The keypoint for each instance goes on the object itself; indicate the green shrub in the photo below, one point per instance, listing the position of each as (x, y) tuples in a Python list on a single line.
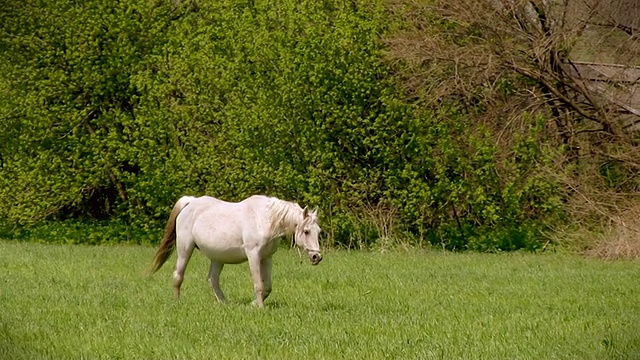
[(83, 232), (115, 110)]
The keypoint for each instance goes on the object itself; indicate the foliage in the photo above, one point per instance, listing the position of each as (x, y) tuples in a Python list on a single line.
[(72, 139), (114, 110), (83, 232), (513, 66)]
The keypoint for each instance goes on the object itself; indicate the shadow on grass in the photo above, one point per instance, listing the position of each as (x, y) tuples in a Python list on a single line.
[(323, 306), (15, 349)]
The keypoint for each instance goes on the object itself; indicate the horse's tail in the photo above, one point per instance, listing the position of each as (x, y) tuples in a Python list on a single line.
[(169, 238)]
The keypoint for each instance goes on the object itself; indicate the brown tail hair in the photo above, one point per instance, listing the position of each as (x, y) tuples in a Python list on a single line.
[(169, 238)]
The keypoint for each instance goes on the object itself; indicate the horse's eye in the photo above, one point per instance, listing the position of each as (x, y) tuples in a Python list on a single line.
[(306, 232)]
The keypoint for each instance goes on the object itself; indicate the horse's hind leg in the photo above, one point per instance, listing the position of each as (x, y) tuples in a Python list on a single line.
[(184, 254), (214, 279)]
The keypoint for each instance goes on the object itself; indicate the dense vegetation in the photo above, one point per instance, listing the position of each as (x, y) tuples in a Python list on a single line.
[(110, 111)]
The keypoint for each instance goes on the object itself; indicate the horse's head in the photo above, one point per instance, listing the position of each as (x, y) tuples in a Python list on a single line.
[(306, 235)]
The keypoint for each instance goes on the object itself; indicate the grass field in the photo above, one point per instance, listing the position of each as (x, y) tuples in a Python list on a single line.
[(82, 302)]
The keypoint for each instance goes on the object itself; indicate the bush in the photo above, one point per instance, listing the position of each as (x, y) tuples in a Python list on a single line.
[(116, 110), (83, 232)]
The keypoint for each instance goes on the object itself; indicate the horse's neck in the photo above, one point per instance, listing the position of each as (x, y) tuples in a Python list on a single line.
[(284, 218), (281, 230)]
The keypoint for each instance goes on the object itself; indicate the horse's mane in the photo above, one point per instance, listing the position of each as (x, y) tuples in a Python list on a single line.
[(283, 217)]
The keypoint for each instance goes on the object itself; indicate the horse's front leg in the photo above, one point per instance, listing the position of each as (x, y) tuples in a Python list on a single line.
[(256, 274), (265, 270)]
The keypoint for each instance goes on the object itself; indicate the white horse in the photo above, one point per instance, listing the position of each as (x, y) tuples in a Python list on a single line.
[(232, 233)]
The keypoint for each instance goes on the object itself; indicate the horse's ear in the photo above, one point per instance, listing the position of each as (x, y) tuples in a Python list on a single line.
[(305, 212), (315, 211)]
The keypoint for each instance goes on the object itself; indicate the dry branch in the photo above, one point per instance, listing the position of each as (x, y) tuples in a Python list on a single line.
[(518, 59)]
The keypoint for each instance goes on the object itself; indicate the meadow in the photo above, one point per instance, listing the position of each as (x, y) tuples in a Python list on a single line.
[(96, 302)]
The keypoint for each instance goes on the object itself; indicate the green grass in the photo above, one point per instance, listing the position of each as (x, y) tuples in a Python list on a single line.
[(74, 302)]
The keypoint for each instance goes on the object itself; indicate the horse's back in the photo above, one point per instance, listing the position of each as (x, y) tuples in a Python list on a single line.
[(208, 211), (218, 227), (252, 201), (257, 201)]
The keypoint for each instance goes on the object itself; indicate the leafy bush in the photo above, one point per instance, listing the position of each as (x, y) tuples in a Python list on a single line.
[(84, 232), (114, 110)]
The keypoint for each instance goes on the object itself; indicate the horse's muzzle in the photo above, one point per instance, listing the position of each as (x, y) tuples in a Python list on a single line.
[(315, 258)]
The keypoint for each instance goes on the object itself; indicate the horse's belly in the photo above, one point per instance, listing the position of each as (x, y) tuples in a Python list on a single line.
[(220, 241), (223, 254)]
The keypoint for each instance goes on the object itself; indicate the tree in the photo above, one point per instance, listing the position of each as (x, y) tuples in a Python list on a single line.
[(511, 61)]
